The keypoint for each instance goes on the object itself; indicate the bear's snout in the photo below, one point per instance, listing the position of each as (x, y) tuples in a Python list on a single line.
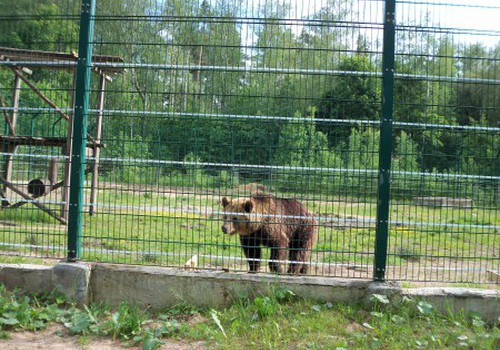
[(227, 229)]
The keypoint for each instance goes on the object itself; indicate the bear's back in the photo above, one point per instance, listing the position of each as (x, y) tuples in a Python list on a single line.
[(281, 209)]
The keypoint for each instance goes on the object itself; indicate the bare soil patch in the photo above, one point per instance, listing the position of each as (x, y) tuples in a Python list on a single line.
[(55, 337)]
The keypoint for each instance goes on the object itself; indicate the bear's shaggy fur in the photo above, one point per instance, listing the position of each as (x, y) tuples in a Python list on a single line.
[(284, 225)]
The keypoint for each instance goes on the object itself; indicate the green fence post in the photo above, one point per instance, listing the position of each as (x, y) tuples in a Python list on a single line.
[(385, 150), (79, 143)]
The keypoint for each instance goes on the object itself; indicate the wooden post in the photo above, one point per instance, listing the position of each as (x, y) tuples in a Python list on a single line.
[(97, 149), (53, 171), (10, 148), (19, 74), (67, 153)]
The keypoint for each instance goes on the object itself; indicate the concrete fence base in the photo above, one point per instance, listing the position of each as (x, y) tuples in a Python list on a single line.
[(163, 287)]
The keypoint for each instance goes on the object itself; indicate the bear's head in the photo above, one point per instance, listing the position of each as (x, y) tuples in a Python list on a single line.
[(238, 218)]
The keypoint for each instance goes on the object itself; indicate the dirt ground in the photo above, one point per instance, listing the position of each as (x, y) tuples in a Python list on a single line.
[(55, 337)]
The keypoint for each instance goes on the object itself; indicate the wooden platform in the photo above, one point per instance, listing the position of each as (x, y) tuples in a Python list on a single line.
[(33, 141), (21, 62), (443, 202), (58, 60)]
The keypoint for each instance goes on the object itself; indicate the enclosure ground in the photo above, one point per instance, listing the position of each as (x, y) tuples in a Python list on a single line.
[(56, 337), (282, 319), (166, 226)]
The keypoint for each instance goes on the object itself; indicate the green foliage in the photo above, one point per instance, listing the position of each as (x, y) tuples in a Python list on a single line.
[(409, 324), (123, 158), (192, 164), (478, 102), (363, 149), (18, 310), (192, 111), (82, 322), (405, 154), (276, 320), (409, 99), (478, 152), (355, 97), (301, 145), (37, 25), (127, 323)]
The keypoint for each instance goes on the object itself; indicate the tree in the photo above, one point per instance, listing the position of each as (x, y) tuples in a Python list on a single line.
[(39, 25), (300, 144), (363, 149), (36, 25), (442, 93), (478, 100), (405, 154), (353, 96), (124, 152), (305, 149)]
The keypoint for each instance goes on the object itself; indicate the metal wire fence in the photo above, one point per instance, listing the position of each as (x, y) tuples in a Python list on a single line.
[(380, 117)]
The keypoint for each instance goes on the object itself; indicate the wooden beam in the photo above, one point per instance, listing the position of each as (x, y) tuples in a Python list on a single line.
[(67, 165), (32, 86), (34, 202), (9, 148), (7, 117), (59, 60), (97, 150), (23, 202), (33, 141), (17, 205)]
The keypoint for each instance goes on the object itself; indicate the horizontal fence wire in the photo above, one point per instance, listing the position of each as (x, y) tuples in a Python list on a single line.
[(137, 114), (197, 103)]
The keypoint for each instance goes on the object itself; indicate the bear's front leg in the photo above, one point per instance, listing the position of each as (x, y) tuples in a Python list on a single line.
[(299, 258), (278, 257), (251, 249)]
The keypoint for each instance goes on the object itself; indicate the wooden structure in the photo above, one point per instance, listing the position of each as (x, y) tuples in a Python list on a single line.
[(21, 63), (443, 202)]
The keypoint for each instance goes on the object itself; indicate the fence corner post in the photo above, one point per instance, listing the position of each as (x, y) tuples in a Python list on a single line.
[(385, 150), (79, 137)]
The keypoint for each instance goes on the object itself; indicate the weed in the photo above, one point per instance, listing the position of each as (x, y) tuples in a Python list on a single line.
[(126, 322), (31, 239), (28, 312), (82, 322), (408, 254), (282, 321), (151, 258)]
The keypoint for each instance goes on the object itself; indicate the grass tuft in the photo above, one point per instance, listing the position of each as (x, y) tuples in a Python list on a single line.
[(277, 320)]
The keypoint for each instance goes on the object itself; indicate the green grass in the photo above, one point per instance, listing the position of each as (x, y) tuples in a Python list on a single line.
[(27, 260), (144, 225), (279, 320), (267, 323)]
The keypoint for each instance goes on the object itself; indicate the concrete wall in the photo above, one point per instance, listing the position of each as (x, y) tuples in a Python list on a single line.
[(159, 287), (162, 287)]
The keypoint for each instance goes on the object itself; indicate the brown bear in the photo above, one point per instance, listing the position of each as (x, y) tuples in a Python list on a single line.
[(284, 225)]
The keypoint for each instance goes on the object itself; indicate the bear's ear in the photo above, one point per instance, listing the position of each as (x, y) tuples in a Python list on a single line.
[(224, 202), (248, 206)]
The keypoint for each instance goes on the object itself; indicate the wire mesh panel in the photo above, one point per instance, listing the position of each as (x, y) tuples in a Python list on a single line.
[(225, 99), (37, 39), (446, 160), (223, 133)]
